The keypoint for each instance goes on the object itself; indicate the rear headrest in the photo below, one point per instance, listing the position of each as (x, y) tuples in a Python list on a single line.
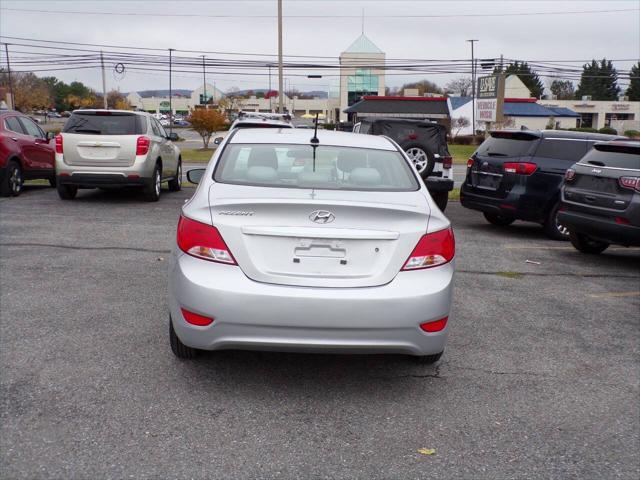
[(316, 179), (262, 174), (263, 156), (365, 177), (351, 158)]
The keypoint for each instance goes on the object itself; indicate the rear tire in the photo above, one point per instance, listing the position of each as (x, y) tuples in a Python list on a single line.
[(175, 185), (67, 192), (441, 199), (553, 228), (585, 244), (428, 359), (422, 158), (154, 186), (496, 219), (11, 185), (178, 348)]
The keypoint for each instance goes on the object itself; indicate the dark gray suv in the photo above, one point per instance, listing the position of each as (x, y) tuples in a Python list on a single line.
[(601, 197)]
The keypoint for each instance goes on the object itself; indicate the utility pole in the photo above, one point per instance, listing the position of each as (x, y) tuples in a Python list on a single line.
[(473, 88), (11, 96), (270, 107), (204, 83), (170, 94), (104, 82), (280, 92)]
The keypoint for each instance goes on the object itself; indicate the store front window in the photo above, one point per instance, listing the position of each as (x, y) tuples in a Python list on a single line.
[(586, 120), (608, 117)]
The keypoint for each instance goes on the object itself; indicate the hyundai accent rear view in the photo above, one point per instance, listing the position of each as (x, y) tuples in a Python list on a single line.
[(342, 250)]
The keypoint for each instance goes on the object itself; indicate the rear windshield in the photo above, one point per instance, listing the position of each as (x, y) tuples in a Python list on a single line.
[(335, 168), (507, 146), (616, 158), (260, 125), (563, 149), (105, 123)]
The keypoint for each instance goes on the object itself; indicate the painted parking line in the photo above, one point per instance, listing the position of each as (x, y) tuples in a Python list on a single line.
[(614, 294)]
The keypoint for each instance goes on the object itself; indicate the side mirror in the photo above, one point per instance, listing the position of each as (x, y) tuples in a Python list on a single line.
[(173, 136), (50, 136), (195, 175), (218, 140)]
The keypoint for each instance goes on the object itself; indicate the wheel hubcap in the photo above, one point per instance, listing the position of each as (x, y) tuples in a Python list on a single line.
[(180, 174), (158, 183), (418, 157), (15, 180), (564, 231)]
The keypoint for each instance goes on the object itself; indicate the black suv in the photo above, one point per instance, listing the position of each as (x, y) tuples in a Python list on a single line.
[(601, 197), (425, 143), (517, 175)]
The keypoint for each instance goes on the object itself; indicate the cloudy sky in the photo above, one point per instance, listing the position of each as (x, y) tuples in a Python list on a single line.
[(403, 29)]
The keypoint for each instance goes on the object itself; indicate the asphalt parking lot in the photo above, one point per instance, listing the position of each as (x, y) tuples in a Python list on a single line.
[(539, 379)]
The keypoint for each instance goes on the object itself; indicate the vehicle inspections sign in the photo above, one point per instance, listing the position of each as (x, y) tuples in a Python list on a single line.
[(490, 98)]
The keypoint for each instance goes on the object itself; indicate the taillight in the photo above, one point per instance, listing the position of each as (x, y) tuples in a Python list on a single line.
[(433, 249), (470, 163), (203, 241), (434, 326), (142, 146), (447, 161), (59, 148), (632, 183), (520, 168), (569, 175), (196, 319)]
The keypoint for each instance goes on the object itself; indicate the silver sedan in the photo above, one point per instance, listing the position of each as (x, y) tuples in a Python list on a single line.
[(313, 243)]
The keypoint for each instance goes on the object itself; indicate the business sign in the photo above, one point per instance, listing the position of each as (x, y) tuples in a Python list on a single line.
[(489, 98)]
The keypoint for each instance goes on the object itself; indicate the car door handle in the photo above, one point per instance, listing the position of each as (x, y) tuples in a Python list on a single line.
[(14, 139), (589, 198)]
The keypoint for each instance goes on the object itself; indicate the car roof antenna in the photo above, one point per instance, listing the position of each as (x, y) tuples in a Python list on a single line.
[(315, 142)]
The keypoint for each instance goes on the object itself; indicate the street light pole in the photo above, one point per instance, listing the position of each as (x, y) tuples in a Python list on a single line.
[(170, 94), (473, 88), (13, 98), (204, 83), (104, 82), (280, 92)]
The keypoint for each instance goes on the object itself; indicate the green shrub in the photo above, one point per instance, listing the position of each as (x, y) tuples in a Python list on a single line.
[(329, 126), (608, 131), (632, 133), (467, 140)]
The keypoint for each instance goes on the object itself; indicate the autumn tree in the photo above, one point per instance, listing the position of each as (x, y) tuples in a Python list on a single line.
[(30, 92), (117, 100), (423, 86), (562, 89), (206, 122), (459, 86)]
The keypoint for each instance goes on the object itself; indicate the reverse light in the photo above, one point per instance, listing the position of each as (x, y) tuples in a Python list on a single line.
[(195, 319), (432, 250), (520, 168), (142, 145), (203, 241), (447, 161), (59, 147), (434, 326), (632, 183), (569, 175)]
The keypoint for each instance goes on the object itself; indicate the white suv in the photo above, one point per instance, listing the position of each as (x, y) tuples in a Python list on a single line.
[(116, 148)]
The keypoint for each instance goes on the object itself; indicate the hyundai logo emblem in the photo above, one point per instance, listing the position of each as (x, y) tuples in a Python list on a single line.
[(322, 216)]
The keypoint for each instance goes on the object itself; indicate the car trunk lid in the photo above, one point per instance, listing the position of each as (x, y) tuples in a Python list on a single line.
[(280, 236)]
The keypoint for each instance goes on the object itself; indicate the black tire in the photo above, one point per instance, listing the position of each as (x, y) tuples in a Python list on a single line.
[(495, 219), (178, 348), (52, 182), (428, 359), (552, 227), (585, 244), (175, 185), (154, 186), (66, 192), (424, 160), (11, 185), (441, 199)]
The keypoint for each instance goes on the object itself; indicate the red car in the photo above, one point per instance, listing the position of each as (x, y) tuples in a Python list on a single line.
[(26, 153)]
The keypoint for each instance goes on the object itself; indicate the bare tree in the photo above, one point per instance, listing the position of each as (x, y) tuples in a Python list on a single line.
[(459, 86), (460, 123)]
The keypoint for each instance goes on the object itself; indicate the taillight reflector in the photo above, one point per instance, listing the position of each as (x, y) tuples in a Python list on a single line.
[(434, 326), (622, 221), (433, 249), (203, 241), (632, 183), (142, 146), (520, 168), (470, 163), (59, 146), (195, 319), (447, 161), (569, 175)]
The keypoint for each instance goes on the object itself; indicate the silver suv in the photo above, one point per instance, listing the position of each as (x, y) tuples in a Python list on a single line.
[(116, 148)]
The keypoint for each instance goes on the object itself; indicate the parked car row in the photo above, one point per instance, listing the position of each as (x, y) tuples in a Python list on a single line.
[(582, 187)]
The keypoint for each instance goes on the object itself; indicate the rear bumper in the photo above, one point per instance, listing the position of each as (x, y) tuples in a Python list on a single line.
[(436, 184), (258, 316), (102, 180), (514, 205), (601, 228)]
